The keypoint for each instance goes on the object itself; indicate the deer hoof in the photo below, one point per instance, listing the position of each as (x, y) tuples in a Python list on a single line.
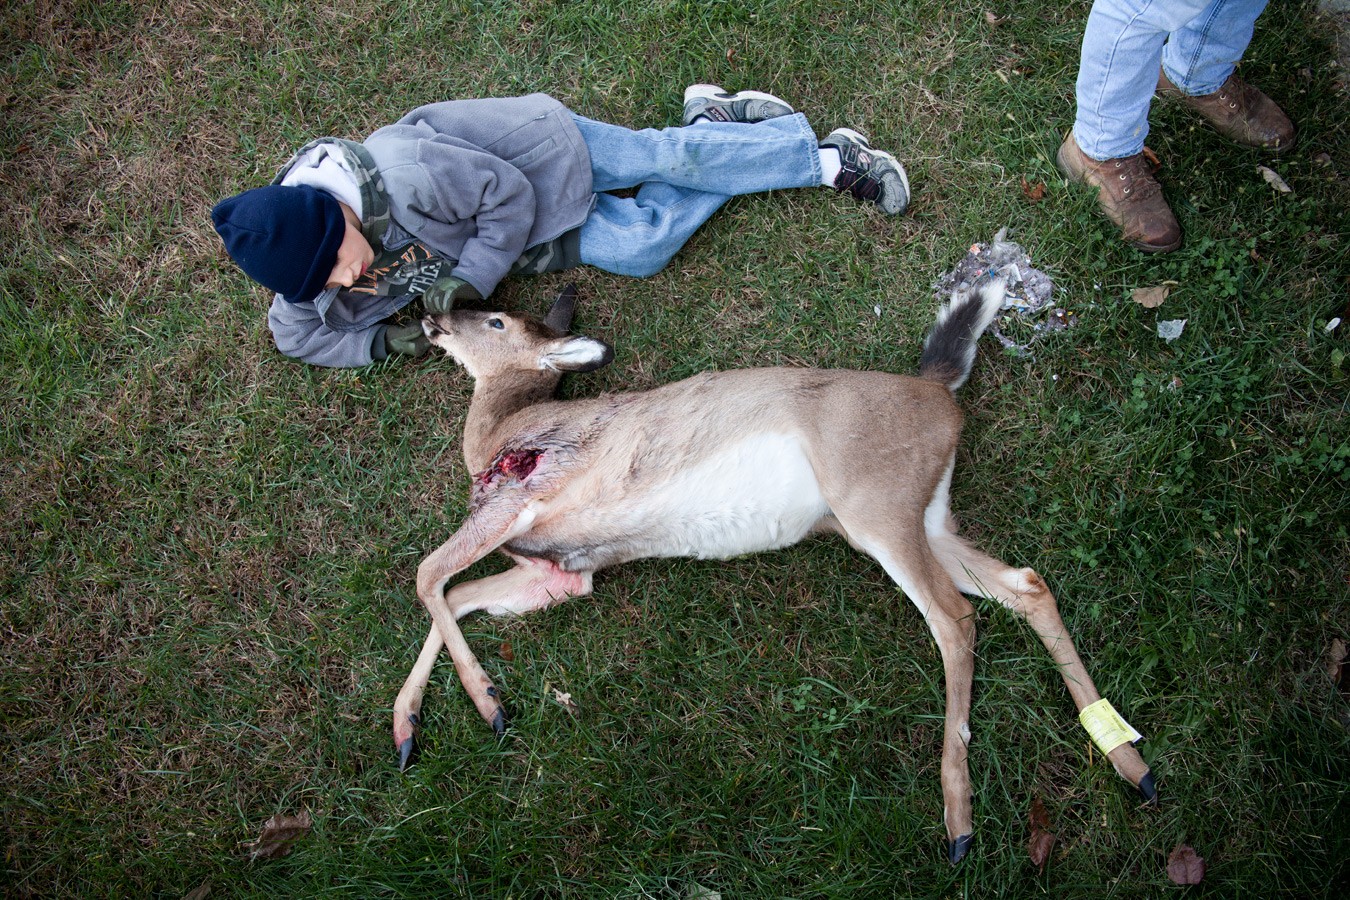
[(499, 716), (957, 849), (407, 749), (1148, 790)]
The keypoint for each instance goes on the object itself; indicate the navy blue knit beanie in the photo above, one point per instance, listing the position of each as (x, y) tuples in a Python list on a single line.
[(284, 238)]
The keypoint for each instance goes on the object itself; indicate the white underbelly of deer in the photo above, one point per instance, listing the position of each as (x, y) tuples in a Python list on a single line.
[(759, 494)]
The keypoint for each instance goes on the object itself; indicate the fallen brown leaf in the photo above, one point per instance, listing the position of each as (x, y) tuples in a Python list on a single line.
[(278, 835), (506, 653), (1152, 158), (1184, 866), (993, 19), (1033, 192), (1274, 180), (1336, 662), (1042, 838), (1150, 297)]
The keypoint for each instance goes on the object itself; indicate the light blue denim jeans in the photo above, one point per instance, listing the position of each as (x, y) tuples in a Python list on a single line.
[(682, 176), (1197, 42)]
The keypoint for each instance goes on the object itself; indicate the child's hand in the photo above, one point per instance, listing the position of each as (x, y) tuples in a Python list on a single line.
[(406, 340), (441, 296)]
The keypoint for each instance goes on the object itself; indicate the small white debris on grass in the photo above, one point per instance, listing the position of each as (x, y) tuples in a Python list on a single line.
[(1170, 329), (565, 701)]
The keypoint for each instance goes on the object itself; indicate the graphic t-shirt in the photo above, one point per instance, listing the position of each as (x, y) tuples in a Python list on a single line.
[(406, 272)]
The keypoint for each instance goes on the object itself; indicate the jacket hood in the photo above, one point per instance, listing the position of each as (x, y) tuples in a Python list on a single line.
[(356, 160)]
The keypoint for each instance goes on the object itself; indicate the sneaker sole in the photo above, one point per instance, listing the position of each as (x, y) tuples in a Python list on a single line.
[(717, 92), (862, 139)]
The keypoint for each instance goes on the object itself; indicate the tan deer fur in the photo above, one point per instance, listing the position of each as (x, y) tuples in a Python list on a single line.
[(714, 466)]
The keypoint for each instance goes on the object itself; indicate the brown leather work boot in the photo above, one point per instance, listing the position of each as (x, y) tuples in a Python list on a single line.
[(1239, 112), (1129, 195)]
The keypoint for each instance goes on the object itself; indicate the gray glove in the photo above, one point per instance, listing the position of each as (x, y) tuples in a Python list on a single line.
[(441, 296), (406, 340)]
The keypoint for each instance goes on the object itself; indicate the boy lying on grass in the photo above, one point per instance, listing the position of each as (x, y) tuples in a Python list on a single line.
[(455, 196)]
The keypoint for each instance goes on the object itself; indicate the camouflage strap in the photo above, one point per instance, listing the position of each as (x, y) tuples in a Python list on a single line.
[(358, 162)]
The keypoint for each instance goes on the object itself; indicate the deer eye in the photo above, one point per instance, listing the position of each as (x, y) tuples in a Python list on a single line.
[(496, 323)]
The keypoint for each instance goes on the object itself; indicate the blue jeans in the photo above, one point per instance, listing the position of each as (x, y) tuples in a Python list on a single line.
[(682, 176), (1197, 42)]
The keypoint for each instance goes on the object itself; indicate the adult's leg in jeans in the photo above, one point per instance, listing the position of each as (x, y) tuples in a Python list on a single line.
[(1201, 54), (1122, 48)]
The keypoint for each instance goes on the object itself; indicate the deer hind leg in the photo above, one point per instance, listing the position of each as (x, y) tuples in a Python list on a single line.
[(951, 619), (1024, 592), (532, 584)]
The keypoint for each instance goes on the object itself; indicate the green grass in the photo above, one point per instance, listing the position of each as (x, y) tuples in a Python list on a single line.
[(208, 551)]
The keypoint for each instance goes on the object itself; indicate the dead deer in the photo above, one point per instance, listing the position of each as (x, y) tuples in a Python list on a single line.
[(715, 466)]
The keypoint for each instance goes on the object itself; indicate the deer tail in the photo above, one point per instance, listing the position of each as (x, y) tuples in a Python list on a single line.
[(949, 349)]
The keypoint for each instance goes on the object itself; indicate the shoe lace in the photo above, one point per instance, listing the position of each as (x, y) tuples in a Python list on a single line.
[(1136, 176), (1236, 93)]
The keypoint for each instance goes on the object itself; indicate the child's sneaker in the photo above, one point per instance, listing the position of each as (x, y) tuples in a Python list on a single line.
[(719, 106), (868, 174)]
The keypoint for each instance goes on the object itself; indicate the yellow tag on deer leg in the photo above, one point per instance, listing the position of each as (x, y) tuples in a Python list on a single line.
[(1105, 726)]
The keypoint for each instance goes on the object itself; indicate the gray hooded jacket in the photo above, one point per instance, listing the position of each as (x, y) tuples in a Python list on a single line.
[(467, 189)]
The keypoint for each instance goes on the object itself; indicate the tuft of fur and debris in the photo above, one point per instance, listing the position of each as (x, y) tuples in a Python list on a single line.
[(1029, 293)]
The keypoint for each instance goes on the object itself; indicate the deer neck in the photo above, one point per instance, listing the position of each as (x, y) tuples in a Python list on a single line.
[(496, 399)]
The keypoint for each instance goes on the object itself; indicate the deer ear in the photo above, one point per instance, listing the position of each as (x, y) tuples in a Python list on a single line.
[(559, 316), (577, 354)]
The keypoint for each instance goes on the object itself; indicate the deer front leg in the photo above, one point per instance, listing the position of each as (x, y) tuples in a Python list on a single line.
[(476, 682), (532, 584), (499, 510), (493, 520), (408, 704)]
